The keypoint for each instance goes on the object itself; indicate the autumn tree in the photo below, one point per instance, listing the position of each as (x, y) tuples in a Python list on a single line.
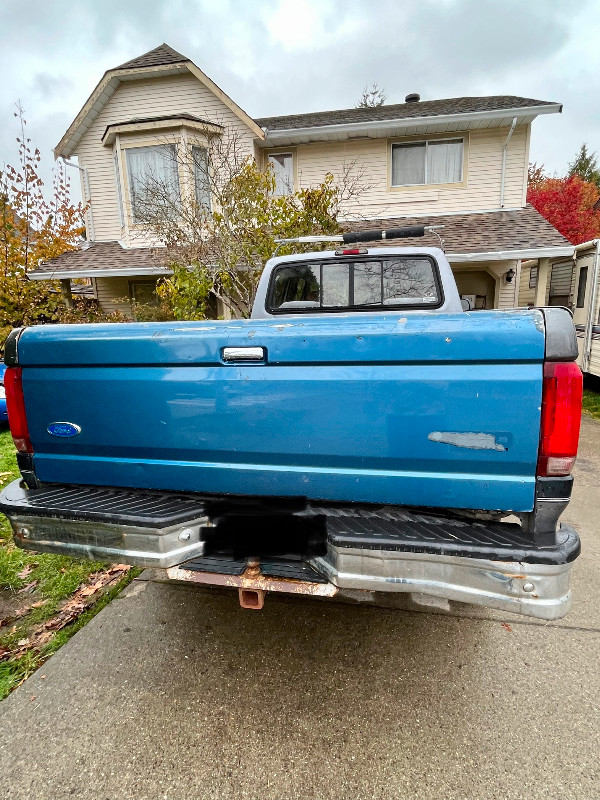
[(568, 204), (536, 175), (220, 223), (585, 165), (35, 224), (371, 97)]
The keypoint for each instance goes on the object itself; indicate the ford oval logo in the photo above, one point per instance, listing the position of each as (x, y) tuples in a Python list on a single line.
[(63, 429)]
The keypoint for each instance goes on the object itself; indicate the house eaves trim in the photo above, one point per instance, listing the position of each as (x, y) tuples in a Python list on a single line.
[(513, 255), (136, 126), (125, 272), (271, 136)]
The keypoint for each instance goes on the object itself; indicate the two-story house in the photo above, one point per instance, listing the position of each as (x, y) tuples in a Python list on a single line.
[(461, 163)]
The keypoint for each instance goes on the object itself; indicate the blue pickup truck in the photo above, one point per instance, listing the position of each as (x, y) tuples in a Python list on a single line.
[(361, 433)]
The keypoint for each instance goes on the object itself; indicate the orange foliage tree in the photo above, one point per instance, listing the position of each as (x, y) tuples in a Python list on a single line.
[(567, 203)]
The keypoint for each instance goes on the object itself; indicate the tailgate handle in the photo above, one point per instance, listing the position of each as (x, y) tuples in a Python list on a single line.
[(244, 354)]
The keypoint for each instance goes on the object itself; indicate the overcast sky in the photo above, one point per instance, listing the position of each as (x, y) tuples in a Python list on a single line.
[(292, 56)]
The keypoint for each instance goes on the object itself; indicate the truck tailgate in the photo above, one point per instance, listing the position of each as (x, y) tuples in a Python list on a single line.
[(425, 409)]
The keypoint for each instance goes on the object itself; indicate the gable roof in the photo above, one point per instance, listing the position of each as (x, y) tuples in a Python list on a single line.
[(415, 110), (163, 54), (161, 61)]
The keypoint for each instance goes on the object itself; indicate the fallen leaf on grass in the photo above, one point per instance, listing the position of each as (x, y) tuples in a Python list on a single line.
[(4, 653), (39, 604), (25, 572), (29, 588), (79, 602), (88, 590)]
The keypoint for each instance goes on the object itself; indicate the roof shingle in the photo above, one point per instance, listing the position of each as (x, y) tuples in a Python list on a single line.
[(98, 256), (426, 108), (163, 54), (486, 232)]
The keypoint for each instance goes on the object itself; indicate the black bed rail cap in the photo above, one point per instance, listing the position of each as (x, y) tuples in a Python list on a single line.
[(561, 337), (11, 352)]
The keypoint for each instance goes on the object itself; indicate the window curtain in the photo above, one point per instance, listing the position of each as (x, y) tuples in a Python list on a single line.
[(152, 171), (201, 177), (408, 164), (444, 162), (283, 168)]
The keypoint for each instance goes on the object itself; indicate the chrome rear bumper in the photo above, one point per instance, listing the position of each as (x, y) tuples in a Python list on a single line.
[(486, 564), (535, 590)]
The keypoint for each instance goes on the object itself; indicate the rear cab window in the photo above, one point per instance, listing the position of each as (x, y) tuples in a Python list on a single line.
[(361, 284)]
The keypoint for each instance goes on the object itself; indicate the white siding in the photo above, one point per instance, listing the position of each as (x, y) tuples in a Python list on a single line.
[(175, 94), (113, 295), (154, 97), (507, 292), (526, 295), (482, 173)]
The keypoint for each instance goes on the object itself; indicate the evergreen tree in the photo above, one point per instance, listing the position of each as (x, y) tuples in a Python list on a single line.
[(371, 97), (586, 166)]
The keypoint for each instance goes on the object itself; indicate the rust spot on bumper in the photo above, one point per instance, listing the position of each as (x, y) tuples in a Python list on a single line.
[(257, 582)]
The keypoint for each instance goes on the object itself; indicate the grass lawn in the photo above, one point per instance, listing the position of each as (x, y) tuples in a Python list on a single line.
[(44, 598), (591, 402)]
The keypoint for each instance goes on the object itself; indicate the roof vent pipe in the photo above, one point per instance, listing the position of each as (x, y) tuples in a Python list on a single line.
[(412, 98)]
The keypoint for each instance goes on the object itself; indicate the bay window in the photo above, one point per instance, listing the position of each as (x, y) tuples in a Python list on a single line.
[(429, 162), (153, 178)]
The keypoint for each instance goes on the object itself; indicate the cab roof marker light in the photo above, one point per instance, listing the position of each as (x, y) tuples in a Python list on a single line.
[(356, 251)]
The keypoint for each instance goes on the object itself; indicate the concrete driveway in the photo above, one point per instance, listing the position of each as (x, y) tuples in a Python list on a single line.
[(173, 692)]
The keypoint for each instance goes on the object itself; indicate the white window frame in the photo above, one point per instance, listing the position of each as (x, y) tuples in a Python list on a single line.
[(427, 142), (284, 151), (118, 178), (193, 145)]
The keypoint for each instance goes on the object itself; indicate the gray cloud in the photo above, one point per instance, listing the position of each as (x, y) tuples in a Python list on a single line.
[(284, 56)]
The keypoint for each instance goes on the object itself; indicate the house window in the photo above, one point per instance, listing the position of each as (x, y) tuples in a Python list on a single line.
[(533, 273), (283, 168), (153, 179), (583, 275), (560, 284), (201, 177), (143, 292), (431, 162)]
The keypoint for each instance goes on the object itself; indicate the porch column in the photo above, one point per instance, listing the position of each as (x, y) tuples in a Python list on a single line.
[(542, 281), (65, 290)]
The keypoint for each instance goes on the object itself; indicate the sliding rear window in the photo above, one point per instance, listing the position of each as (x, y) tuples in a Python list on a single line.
[(365, 284)]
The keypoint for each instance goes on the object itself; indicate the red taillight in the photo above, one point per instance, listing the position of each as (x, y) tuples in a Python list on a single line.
[(15, 406), (561, 417)]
